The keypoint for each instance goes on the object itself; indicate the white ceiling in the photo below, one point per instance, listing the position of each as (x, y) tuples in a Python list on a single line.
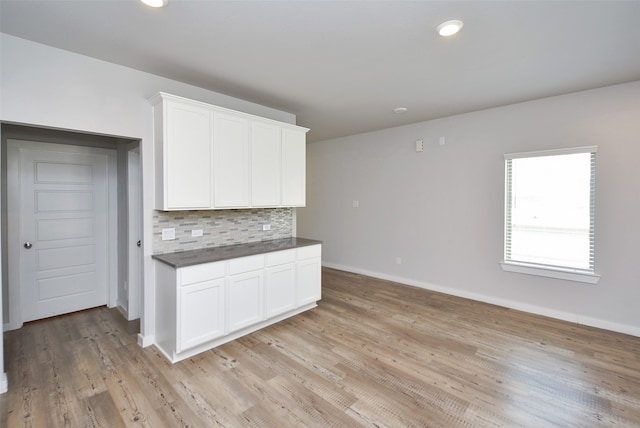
[(343, 66)]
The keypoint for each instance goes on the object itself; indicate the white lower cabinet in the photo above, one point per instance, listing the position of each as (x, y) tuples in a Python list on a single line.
[(200, 307), (280, 289), (308, 272), (246, 296), (201, 313), (280, 282)]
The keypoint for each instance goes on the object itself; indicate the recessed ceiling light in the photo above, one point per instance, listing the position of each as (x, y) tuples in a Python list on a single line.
[(400, 110), (449, 28), (155, 3)]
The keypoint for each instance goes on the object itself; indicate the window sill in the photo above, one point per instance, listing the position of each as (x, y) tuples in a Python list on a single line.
[(558, 273)]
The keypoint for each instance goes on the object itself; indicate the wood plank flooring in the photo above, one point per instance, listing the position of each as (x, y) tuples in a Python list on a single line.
[(373, 354)]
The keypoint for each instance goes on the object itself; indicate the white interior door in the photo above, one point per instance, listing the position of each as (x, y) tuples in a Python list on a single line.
[(63, 217)]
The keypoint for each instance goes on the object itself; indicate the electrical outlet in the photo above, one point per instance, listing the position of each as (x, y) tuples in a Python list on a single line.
[(168, 234), (266, 227), (398, 260), (196, 232)]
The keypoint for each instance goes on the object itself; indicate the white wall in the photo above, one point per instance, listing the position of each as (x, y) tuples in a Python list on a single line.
[(50, 87), (441, 210)]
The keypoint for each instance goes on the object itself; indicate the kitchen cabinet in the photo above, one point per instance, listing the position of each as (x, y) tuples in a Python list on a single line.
[(205, 305), (293, 168), (308, 271), (200, 305), (201, 313), (280, 282), (245, 283), (183, 155), (266, 165), (190, 305), (209, 157), (230, 161)]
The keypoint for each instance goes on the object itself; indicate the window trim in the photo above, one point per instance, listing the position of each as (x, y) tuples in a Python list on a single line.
[(550, 271), (552, 152), (567, 273)]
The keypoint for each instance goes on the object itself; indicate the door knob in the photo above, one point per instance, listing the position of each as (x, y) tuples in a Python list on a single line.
[(28, 245), (139, 243)]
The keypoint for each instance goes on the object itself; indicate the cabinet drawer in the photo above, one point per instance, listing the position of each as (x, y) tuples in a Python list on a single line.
[(309, 252), (246, 264), (281, 257), (201, 273)]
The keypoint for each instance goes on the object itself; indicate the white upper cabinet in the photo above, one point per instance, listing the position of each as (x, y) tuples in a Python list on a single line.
[(265, 165), (209, 157), (293, 167), (230, 161), (183, 155)]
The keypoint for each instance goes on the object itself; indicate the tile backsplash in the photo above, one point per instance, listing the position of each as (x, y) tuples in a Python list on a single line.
[(220, 227)]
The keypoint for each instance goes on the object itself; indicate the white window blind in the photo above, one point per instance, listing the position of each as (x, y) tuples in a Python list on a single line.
[(550, 209)]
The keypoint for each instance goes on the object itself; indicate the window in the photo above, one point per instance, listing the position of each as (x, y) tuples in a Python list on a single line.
[(550, 213)]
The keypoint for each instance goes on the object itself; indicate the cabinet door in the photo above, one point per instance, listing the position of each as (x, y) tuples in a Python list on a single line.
[(231, 161), (280, 289), (265, 165), (188, 155), (309, 281), (245, 303), (201, 313), (293, 168)]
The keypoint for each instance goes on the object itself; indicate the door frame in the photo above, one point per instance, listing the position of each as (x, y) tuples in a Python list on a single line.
[(13, 219), (135, 232)]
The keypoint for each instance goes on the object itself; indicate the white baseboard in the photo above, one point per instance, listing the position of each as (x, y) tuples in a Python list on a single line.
[(123, 311), (4, 383), (145, 341), (511, 304), (11, 326)]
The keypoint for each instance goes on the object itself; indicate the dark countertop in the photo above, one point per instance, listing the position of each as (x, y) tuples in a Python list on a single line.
[(216, 254)]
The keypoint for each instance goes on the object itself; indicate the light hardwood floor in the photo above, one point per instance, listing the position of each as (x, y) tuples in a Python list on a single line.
[(374, 354)]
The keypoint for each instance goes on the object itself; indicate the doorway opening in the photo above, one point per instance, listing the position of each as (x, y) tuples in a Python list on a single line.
[(77, 230)]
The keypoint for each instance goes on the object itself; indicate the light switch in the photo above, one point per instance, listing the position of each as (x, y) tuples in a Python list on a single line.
[(266, 227)]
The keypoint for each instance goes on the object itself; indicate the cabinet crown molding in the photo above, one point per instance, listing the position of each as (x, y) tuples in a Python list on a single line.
[(163, 96)]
